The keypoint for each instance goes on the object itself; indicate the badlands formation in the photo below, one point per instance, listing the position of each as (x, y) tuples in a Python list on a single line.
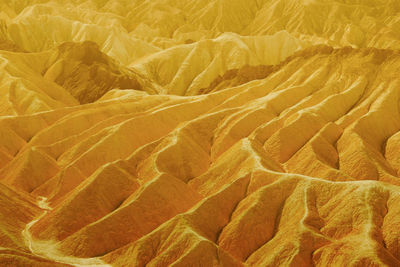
[(199, 133)]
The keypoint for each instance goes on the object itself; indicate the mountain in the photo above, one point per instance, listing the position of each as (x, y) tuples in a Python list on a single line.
[(208, 133)]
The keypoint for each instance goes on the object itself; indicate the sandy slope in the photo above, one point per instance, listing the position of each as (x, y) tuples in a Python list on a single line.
[(208, 133)]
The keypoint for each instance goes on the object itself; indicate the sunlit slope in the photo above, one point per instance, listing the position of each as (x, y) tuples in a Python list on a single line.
[(212, 133), (183, 46), (23, 88), (65, 76), (75, 73), (187, 69), (283, 156), (16, 210), (165, 23)]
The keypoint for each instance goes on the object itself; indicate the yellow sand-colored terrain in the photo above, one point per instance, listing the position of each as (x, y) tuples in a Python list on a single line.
[(200, 133)]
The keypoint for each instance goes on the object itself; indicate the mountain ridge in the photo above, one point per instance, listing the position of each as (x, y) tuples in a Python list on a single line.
[(212, 133)]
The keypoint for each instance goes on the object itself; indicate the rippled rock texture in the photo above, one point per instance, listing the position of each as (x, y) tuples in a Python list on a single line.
[(200, 133)]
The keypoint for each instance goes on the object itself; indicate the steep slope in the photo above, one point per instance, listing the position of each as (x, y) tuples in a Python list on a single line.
[(225, 153), (72, 73), (23, 90), (199, 133), (185, 69), (170, 22), (184, 46), (87, 74), (16, 210)]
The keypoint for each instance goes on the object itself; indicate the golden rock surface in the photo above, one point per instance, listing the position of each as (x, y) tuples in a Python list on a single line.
[(200, 133)]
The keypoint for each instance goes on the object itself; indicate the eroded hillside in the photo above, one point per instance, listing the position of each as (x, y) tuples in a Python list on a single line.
[(208, 133)]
